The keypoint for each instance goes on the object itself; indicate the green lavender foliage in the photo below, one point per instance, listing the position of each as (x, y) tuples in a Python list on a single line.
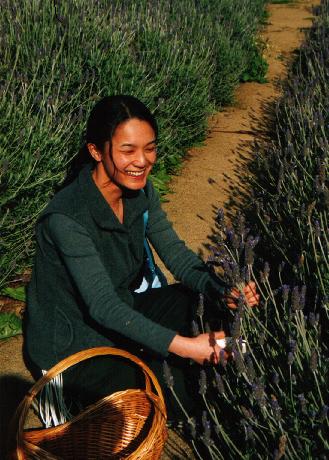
[(271, 402), (182, 59), (291, 177)]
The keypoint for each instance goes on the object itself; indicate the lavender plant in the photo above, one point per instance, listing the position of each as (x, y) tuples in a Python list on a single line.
[(272, 401)]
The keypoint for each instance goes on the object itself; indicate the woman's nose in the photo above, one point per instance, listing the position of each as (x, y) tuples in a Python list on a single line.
[(140, 158)]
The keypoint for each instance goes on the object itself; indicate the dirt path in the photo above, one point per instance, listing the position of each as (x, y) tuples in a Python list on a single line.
[(191, 206)]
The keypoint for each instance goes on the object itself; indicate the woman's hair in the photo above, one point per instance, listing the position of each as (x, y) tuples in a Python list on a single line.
[(103, 120)]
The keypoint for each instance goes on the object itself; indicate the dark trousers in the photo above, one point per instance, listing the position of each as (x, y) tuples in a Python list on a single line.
[(172, 306)]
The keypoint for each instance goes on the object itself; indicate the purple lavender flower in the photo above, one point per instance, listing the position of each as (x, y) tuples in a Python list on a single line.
[(314, 360), (250, 435), (302, 297), (275, 378), (238, 360), (240, 310), (206, 438), (276, 408), (261, 339), (250, 369), (324, 413), (227, 269), (285, 292), (195, 329), (249, 253), (200, 309), (293, 345), (222, 359), (290, 358), (219, 384), (235, 273), (295, 298), (321, 171), (235, 241), (235, 327), (265, 273), (317, 229), (202, 382), (302, 403), (281, 266), (311, 319), (258, 393), (220, 217), (168, 377), (248, 413)]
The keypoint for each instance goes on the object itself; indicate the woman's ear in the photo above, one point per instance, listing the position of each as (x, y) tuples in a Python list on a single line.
[(94, 152)]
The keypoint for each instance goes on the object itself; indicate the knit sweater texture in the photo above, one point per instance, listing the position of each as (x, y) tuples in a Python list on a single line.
[(86, 264)]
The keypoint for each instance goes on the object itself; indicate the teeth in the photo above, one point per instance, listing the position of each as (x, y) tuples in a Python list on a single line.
[(135, 173)]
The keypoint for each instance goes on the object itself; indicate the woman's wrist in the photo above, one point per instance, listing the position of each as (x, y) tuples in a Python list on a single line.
[(180, 346)]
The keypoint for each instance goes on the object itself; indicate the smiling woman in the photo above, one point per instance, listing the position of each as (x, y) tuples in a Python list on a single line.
[(127, 161), (90, 261)]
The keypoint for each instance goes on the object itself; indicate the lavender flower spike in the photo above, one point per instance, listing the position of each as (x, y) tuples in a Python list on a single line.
[(314, 360), (200, 309), (203, 382), (168, 377)]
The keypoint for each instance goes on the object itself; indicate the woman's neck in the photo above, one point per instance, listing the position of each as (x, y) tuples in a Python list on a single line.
[(110, 191)]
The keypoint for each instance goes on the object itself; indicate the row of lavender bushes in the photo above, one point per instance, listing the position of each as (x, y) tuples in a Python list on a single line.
[(182, 59), (272, 402)]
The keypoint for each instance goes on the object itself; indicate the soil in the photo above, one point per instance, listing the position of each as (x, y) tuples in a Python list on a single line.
[(206, 182)]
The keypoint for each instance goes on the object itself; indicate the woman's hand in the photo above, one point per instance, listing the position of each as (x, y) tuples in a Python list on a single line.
[(249, 293), (201, 349)]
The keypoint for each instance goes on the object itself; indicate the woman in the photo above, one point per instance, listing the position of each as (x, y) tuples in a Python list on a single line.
[(90, 258)]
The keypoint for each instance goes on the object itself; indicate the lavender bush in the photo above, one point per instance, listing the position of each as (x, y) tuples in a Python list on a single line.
[(272, 401)]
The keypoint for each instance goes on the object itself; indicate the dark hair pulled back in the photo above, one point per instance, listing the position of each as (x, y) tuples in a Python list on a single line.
[(103, 120)]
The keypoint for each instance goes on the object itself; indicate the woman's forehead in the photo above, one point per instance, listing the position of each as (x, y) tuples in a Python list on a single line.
[(134, 131)]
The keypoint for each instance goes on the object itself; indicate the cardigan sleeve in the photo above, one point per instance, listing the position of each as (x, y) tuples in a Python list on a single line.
[(80, 257), (181, 261)]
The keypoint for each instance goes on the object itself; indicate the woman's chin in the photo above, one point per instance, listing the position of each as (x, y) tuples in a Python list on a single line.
[(136, 183), (135, 186)]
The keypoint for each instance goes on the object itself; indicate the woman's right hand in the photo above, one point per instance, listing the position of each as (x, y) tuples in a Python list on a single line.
[(201, 349)]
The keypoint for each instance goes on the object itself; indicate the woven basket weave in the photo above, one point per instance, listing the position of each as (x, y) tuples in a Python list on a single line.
[(128, 424)]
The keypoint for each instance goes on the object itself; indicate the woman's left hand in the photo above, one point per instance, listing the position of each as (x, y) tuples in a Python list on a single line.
[(249, 293)]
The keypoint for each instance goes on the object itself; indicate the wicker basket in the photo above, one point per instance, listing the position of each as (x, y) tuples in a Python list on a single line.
[(128, 424)]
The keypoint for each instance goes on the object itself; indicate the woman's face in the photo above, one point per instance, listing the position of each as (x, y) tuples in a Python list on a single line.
[(133, 154)]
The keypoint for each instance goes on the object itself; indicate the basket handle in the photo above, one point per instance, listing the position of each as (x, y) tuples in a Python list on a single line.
[(23, 408)]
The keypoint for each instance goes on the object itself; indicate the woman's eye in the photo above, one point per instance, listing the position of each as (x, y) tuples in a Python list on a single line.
[(151, 149)]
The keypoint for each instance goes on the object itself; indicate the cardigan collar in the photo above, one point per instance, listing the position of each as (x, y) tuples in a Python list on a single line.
[(134, 204)]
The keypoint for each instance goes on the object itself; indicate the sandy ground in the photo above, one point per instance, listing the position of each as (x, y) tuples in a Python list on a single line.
[(205, 183)]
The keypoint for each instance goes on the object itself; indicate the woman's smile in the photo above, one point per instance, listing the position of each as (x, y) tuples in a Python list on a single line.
[(135, 173)]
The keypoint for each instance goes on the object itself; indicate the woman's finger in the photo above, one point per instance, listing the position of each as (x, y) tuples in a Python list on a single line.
[(252, 285), (232, 305), (248, 289), (254, 300), (235, 293)]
